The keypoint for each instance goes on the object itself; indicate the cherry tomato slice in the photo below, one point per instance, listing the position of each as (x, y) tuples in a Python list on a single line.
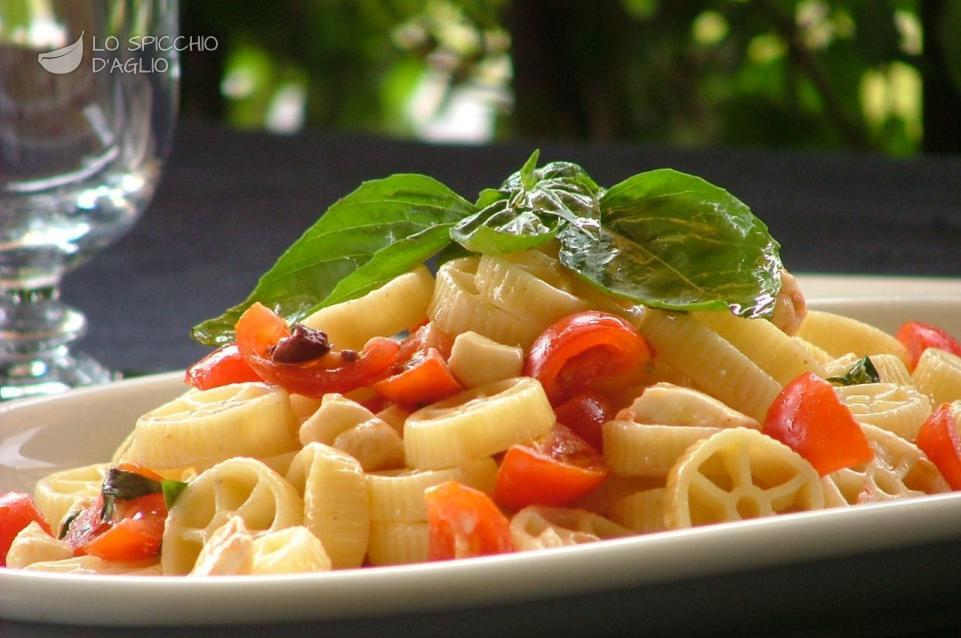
[(425, 378), (259, 328), (555, 470), (464, 522), (917, 337), (17, 510), (808, 417), (587, 351), (940, 440), (223, 366), (584, 414)]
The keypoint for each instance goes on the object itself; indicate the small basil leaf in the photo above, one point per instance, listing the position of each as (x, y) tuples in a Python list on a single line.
[(529, 208), (375, 233), (671, 240), (122, 485), (67, 522), (861, 372), (171, 490)]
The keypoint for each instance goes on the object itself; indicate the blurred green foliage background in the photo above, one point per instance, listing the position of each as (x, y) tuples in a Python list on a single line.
[(878, 75)]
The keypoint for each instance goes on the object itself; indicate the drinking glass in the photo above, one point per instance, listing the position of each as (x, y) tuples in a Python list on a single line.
[(88, 100)]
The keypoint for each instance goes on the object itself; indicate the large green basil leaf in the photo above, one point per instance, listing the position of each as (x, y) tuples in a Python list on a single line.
[(529, 208), (383, 229), (671, 240)]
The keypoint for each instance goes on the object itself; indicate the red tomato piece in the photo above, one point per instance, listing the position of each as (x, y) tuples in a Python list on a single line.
[(136, 533), (464, 522), (587, 351), (584, 414), (940, 440), (424, 338), (808, 417), (259, 328), (424, 378), (17, 510), (223, 366), (555, 469), (917, 337)]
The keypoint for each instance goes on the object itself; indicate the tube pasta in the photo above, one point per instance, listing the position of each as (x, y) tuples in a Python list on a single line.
[(60, 493), (201, 429), (899, 469), (398, 496), (398, 543), (816, 353), (839, 335), (614, 488), (714, 364), (395, 306), (738, 474), (238, 486), (896, 408), (539, 527), (763, 343), (640, 449), (938, 375), (335, 501), (477, 423), (458, 307)]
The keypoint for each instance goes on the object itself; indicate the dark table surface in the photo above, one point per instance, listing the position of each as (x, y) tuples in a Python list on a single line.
[(230, 202)]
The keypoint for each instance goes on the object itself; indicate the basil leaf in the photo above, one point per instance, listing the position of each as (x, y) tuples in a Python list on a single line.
[(529, 208), (122, 485), (171, 490), (674, 241), (861, 372), (379, 231)]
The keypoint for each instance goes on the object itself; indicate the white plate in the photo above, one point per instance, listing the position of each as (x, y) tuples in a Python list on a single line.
[(39, 436)]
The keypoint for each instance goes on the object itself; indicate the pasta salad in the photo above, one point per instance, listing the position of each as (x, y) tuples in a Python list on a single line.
[(424, 378)]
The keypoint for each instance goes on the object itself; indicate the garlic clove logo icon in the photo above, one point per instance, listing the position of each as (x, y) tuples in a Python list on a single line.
[(63, 60)]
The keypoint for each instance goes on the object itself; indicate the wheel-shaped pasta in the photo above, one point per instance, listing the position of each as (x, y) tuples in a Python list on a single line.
[(201, 429), (896, 408), (90, 565), (477, 423), (715, 365), (395, 306), (763, 343), (294, 550), (898, 470), (539, 527), (938, 375), (738, 474), (670, 404), (457, 306), (642, 449), (522, 294), (839, 335), (335, 501), (476, 360), (641, 512), (62, 492), (241, 487)]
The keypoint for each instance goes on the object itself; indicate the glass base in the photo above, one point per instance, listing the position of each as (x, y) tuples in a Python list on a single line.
[(49, 375)]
